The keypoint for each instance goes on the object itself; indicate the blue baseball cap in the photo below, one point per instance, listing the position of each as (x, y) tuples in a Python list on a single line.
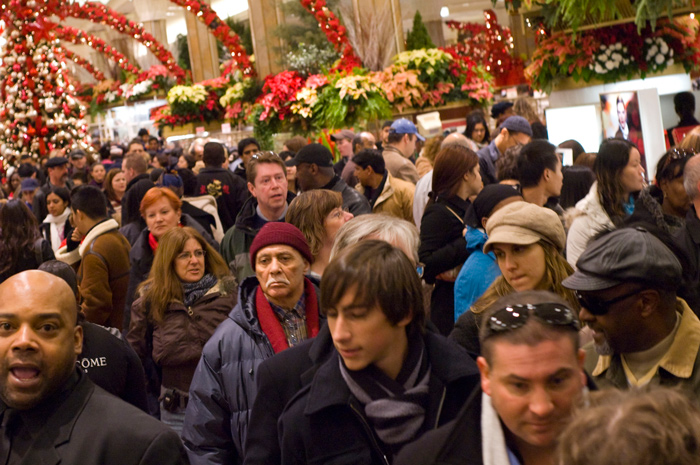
[(404, 126)]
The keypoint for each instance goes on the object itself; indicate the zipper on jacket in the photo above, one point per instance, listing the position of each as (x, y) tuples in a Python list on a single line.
[(369, 431), (439, 412)]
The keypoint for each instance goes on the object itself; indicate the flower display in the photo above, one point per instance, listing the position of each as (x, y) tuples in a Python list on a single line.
[(278, 91), (610, 58), (615, 53)]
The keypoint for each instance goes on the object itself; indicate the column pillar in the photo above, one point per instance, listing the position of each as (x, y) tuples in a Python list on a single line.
[(394, 8), (204, 56), (265, 17)]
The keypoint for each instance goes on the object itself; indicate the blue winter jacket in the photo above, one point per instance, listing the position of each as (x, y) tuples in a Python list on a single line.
[(477, 274), (223, 388)]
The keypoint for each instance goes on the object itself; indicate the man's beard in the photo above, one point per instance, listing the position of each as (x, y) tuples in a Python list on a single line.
[(604, 348)]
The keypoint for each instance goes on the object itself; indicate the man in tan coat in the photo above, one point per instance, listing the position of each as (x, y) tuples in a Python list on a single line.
[(385, 193), (103, 275), (401, 145)]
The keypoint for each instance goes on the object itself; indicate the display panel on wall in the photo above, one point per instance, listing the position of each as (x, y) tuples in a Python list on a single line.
[(622, 119)]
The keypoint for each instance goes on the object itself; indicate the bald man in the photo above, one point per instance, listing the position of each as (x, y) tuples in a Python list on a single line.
[(50, 411)]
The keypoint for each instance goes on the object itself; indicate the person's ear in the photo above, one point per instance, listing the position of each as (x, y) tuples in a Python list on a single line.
[(485, 371), (581, 358), (251, 189), (78, 339), (650, 301), (307, 266), (483, 222)]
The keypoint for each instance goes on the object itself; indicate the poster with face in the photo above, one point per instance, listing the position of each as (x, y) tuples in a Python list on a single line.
[(621, 119)]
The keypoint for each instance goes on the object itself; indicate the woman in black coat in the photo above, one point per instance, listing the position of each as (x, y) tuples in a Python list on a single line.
[(443, 249)]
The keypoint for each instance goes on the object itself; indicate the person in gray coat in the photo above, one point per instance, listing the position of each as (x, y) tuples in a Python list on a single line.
[(277, 308)]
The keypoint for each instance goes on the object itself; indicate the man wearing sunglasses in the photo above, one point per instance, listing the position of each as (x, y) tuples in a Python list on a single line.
[(531, 378), (643, 333)]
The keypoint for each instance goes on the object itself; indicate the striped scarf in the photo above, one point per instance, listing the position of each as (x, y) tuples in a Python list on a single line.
[(395, 408)]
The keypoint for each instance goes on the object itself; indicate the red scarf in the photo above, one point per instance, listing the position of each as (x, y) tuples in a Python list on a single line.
[(272, 327), (153, 242)]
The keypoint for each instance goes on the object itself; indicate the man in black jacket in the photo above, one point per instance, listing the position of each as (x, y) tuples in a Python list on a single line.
[(50, 411), (388, 381), (689, 236), (135, 166), (314, 164), (230, 191), (531, 378)]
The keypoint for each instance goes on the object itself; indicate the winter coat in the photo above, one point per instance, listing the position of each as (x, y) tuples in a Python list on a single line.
[(63, 229), (208, 204), (478, 273), (131, 201), (141, 259), (443, 248), (325, 423), (396, 198), (278, 380), (112, 364), (235, 246), (353, 201), (647, 209), (229, 190), (399, 166), (223, 389), (177, 341), (103, 275), (589, 218), (688, 239)]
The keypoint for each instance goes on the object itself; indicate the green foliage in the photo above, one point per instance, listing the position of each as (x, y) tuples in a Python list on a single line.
[(310, 59), (418, 37), (300, 34), (183, 52), (263, 131)]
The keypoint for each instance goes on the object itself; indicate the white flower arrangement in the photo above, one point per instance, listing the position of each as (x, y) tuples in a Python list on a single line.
[(611, 57), (658, 54)]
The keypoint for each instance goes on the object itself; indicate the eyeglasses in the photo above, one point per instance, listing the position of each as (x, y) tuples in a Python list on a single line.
[(515, 316), (599, 307), (188, 255)]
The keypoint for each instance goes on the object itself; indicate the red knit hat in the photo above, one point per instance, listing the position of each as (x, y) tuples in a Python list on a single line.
[(276, 232)]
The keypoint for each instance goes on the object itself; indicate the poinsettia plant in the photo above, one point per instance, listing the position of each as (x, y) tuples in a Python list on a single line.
[(615, 53)]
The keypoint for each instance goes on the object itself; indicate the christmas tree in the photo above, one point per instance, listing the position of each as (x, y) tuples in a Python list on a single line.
[(418, 37), (38, 112)]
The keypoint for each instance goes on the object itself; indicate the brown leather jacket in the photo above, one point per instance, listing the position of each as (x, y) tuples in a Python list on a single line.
[(176, 342)]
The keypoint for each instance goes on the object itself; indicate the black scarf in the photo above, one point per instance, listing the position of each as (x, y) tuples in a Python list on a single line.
[(396, 408), (193, 291)]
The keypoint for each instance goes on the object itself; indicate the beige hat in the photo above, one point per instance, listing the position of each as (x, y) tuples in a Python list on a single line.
[(524, 223)]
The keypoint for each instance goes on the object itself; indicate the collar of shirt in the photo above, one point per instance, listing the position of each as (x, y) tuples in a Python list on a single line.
[(298, 311)]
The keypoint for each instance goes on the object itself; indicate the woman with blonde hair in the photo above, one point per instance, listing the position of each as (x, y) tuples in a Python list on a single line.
[(527, 241), (319, 215), (187, 294)]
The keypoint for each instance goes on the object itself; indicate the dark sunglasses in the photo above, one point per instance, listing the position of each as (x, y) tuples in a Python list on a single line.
[(515, 316), (600, 307)]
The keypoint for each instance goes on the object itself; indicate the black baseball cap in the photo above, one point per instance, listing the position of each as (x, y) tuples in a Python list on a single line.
[(317, 154)]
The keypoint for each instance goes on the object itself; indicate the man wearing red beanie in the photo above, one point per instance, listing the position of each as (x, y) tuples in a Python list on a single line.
[(277, 308)]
